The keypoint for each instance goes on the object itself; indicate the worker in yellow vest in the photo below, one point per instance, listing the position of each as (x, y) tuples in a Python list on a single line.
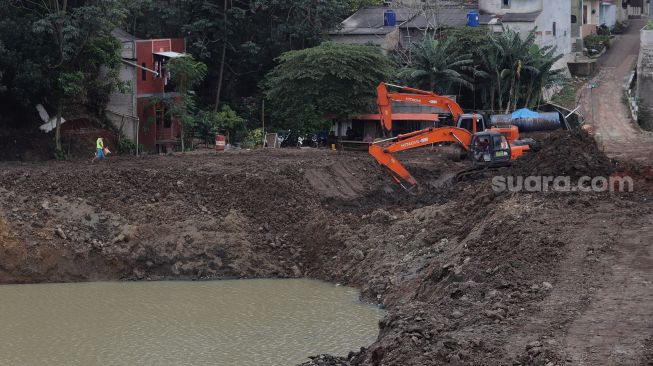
[(99, 150)]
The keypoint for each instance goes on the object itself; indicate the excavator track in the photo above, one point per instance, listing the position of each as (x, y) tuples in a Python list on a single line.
[(472, 173)]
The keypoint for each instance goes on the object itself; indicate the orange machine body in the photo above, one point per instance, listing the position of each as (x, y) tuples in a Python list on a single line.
[(383, 151)]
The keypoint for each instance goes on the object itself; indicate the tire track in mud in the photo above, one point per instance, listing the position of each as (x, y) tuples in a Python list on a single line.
[(615, 327), (335, 181)]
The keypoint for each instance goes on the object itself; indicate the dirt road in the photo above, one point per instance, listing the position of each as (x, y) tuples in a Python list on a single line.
[(603, 106), (617, 324)]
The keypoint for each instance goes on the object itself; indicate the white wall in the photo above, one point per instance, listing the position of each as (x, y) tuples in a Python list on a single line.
[(124, 104), (557, 11), (645, 68), (622, 14), (516, 6), (608, 15)]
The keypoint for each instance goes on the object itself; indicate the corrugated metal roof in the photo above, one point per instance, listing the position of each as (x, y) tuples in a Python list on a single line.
[(451, 17), (372, 17), (168, 54), (486, 18), (122, 35), (370, 20), (365, 31), (520, 17)]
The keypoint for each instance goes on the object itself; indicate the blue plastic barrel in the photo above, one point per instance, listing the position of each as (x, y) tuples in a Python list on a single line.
[(389, 18), (473, 19)]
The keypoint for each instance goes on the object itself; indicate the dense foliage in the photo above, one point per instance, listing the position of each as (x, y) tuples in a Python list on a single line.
[(437, 66), (58, 53), (186, 73), (596, 42), (497, 72), (247, 52), (239, 40), (328, 81)]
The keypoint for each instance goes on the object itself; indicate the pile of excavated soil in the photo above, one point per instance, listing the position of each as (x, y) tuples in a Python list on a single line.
[(468, 276), (565, 153), (25, 146)]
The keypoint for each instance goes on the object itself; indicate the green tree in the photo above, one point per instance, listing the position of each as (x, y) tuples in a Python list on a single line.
[(437, 66), (328, 81), (208, 123), (2, 52), (513, 71), (541, 74), (186, 73), (357, 4), (516, 56), (250, 35), (66, 53)]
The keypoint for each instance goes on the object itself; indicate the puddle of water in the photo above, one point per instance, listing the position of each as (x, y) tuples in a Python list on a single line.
[(236, 322)]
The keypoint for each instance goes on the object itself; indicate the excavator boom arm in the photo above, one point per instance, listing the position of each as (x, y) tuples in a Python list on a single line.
[(414, 96), (384, 154)]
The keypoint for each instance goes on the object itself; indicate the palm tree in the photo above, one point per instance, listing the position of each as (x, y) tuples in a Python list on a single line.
[(435, 65), (516, 56), (542, 75), (492, 65)]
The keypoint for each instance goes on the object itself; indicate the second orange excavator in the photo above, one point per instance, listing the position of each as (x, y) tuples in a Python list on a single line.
[(486, 147)]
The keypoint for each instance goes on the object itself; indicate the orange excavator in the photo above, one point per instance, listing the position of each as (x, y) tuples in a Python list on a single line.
[(486, 147)]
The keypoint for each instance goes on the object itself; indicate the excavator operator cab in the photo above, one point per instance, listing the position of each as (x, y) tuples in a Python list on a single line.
[(489, 148), (472, 122)]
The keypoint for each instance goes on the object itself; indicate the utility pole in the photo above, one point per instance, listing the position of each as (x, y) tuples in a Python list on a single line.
[(222, 59), (263, 119)]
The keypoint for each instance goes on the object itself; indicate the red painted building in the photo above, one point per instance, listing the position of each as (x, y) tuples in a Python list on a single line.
[(140, 112)]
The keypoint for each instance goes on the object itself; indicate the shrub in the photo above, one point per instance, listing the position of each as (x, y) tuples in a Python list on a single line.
[(620, 27), (597, 42), (254, 138)]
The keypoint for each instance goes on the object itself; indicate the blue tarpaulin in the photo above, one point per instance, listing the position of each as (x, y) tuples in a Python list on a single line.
[(524, 113)]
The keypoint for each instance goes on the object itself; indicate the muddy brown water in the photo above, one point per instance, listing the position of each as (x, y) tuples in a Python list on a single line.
[(235, 322)]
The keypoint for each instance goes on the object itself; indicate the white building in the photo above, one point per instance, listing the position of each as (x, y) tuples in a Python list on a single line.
[(551, 20)]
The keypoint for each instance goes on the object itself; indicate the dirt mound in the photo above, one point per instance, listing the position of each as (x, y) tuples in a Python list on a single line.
[(77, 139), (336, 181), (565, 153), (469, 276), (25, 146)]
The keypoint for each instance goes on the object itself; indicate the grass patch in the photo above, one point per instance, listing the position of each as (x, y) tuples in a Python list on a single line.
[(649, 25), (597, 42), (566, 97)]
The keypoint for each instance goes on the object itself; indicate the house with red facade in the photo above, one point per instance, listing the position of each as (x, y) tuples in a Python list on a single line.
[(138, 110)]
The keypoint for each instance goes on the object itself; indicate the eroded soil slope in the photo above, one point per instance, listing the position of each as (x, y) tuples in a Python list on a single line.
[(468, 275)]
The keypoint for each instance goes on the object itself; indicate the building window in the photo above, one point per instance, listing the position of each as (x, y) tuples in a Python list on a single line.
[(584, 14), (505, 4), (554, 29), (143, 72), (574, 19), (160, 116)]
